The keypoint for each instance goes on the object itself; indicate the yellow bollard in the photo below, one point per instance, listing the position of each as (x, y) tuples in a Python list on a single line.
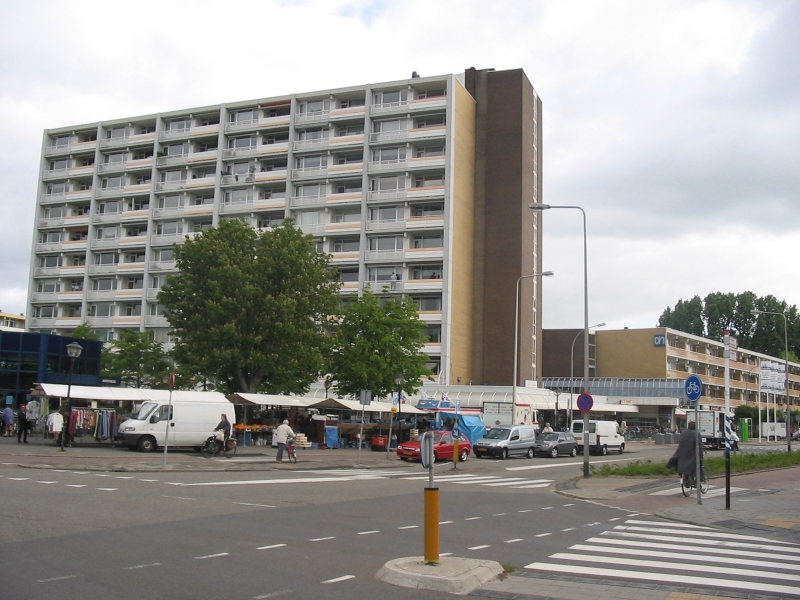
[(431, 526)]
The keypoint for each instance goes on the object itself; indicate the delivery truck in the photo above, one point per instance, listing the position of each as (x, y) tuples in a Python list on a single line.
[(711, 425)]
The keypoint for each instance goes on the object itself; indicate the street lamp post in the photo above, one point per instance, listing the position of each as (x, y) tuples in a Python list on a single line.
[(756, 312), (73, 351), (572, 368), (516, 342), (540, 206)]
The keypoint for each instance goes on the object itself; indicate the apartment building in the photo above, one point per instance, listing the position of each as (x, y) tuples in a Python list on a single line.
[(9, 322), (416, 187)]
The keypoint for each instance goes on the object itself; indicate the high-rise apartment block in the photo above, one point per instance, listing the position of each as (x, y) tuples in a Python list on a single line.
[(418, 187)]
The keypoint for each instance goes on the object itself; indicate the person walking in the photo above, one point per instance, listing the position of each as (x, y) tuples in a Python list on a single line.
[(8, 422), (23, 425), (225, 427), (282, 435)]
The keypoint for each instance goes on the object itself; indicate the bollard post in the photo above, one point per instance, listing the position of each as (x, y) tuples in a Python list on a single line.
[(431, 526)]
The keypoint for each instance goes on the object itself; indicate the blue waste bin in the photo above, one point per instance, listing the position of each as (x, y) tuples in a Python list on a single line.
[(331, 437)]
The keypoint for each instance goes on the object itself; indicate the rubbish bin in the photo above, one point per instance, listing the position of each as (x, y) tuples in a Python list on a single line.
[(659, 439), (668, 438), (378, 443), (331, 436)]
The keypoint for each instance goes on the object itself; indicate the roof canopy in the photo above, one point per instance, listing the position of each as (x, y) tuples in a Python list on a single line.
[(270, 400), (121, 394), (372, 407)]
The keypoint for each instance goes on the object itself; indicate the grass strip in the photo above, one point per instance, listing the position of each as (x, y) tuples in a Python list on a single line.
[(740, 463)]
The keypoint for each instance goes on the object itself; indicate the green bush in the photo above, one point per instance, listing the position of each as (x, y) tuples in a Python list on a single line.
[(740, 463)]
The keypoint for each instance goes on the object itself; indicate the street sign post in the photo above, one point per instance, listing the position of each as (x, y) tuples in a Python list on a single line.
[(693, 387), (365, 398), (585, 403), (431, 502)]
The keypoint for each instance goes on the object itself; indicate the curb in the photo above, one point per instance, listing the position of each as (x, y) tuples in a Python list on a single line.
[(453, 575)]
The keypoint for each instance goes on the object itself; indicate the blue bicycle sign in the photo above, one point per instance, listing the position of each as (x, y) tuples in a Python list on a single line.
[(693, 388)]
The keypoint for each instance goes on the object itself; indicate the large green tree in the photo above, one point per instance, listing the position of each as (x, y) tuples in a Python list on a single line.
[(250, 309), (376, 341), (687, 316), (137, 359)]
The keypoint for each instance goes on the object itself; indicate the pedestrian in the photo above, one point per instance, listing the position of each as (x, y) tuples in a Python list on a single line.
[(282, 435), (225, 427), (23, 425), (547, 428), (8, 422)]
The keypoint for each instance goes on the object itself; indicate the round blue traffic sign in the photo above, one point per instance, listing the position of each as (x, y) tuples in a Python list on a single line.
[(456, 432), (693, 388), (585, 402)]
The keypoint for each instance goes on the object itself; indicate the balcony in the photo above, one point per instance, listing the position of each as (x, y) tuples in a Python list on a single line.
[(162, 239), (152, 294), (414, 254), (156, 321), (428, 103), (198, 210), (101, 295), (347, 113), (389, 107), (103, 322), (131, 267), (416, 285), (70, 296), (384, 286), (189, 132), (110, 217), (392, 225), (135, 215), (269, 203), (76, 220), (244, 205), (297, 201), (260, 149), (344, 257), (276, 175), (430, 316), (389, 136), (316, 229), (102, 269), (435, 221), (425, 192), (426, 162), (129, 294), (313, 117), (55, 174), (121, 140), (161, 266), (42, 322), (388, 165), (133, 240), (386, 195), (347, 198), (110, 191), (141, 163), (385, 255), (316, 144), (47, 223), (347, 227), (310, 173), (48, 247), (238, 179), (71, 148), (49, 297), (268, 122), (112, 167), (346, 170), (105, 244), (161, 213), (345, 141), (74, 245)]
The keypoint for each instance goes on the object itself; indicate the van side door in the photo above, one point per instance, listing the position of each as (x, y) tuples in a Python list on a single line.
[(514, 446)]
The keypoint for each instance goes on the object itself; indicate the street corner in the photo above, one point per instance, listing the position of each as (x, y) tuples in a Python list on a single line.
[(451, 574)]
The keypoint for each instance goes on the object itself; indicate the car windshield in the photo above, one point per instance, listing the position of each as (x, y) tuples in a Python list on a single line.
[(437, 438), (549, 437), (498, 434), (145, 411)]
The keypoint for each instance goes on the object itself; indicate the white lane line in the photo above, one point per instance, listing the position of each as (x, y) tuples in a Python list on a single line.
[(81, 472), (445, 554), (615, 519), (176, 497), (101, 475), (368, 532), (698, 542), (543, 534), (535, 485), (721, 492), (660, 564), (272, 595), (268, 481), (73, 485), (514, 541), (758, 586), (251, 504), (568, 529), (451, 477), (570, 504), (524, 511), (271, 547), (567, 464), (107, 489), (661, 524), (633, 515), (482, 480), (47, 482), (472, 518), (141, 566), (512, 481), (60, 471), (409, 527), (706, 535), (479, 547), (211, 556), (149, 480), (499, 514), (769, 564), (444, 522), (59, 578), (689, 549), (121, 477), (338, 579), (19, 479), (322, 539), (547, 507)]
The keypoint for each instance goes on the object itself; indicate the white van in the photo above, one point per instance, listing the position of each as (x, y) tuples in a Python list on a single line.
[(505, 441), (603, 436), (194, 417)]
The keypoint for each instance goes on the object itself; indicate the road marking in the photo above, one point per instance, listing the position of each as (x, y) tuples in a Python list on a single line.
[(716, 549), (444, 522), (409, 527), (211, 556), (141, 566), (268, 481), (101, 475), (60, 471), (59, 578), (18, 478), (272, 595), (47, 482), (514, 541), (543, 534), (502, 482), (81, 472), (368, 532), (479, 547), (121, 477), (176, 497), (149, 480), (528, 487), (524, 511), (445, 554), (322, 539), (615, 519), (107, 489), (270, 548), (571, 504), (568, 529), (708, 534), (700, 542), (472, 518), (338, 579), (251, 504), (546, 507), (567, 464), (660, 524), (74, 485), (499, 514)]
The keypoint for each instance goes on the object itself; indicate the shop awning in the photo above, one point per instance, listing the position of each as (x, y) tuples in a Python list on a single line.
[(385, 407), (120, 394), (614, 408), (270, 400)]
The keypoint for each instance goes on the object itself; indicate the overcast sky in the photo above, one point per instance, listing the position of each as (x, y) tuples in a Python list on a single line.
[(675, 125)]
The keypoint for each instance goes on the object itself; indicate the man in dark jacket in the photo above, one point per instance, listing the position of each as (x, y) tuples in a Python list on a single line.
[(687, 465), (23, 425)]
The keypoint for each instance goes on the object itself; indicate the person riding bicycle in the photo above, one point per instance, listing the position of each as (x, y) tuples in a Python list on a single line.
[(685, 454), (225, 427)]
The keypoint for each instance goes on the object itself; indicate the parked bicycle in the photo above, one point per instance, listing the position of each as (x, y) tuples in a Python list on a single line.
[(214, 445)]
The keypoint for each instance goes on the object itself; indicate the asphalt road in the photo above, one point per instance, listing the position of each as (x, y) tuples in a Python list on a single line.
[(279, 533)]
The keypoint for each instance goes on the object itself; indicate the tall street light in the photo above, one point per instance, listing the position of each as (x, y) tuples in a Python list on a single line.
[(540, 206), (73, 351), (516, 343), (756, 312), (572, 367)]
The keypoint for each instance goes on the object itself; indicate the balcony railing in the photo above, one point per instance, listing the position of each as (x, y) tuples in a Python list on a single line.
[(312, 144), (70, 147), (400, 164), (384, 286), (112, 166), (383, 255), (322, 115), (192, 130), (308, 200), (384, 225), (385, 195), (309, 172), (389, 107), (169, 265), (389, 136)]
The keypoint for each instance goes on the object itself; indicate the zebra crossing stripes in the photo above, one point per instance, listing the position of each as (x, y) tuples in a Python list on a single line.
[(681, 554), (488, 481)]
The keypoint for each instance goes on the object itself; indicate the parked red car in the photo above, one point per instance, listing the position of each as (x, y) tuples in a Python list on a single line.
[(442, 447)]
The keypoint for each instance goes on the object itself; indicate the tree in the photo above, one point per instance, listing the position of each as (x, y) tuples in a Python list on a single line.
[(85, 332), (718, 313), (375, 342), (138, 360), (687, 317), (250, 309)]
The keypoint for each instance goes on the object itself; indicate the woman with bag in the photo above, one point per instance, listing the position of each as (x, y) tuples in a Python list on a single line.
[(224, 429)]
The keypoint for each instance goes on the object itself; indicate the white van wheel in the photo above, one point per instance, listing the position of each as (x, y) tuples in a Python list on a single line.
[(604, 450), (146, 444)]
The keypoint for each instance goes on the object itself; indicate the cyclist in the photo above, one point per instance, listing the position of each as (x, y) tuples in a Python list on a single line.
[(225, 427), (687, 464)]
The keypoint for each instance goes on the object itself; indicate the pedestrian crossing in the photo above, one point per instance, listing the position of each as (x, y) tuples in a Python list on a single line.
[(520, 483), (713, 491), (683, 554)]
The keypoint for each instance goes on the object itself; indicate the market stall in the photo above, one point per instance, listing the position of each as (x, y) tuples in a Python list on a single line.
[(257, 416)]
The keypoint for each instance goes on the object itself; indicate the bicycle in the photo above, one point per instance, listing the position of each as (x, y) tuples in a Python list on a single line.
[(688, 483), (291, 452), (212, 447)]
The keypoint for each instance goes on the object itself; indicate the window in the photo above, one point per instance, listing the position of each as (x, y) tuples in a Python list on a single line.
[(169, 228), (85, 186), (101, 309), (348, 187), (346, 245), (307, 217), (142, 154), (278, 111), (166, 255), (47, 311), (136, 231), (270, 220), (106, 208), (237, 196), (86, 161), (133, 309), (203, 172), (49, 237), (274, 165), (395, 97), (56, 189), (135, 257), (240, 168), (49, 262), (55, 212), (433, 240), (157, 310), (105, 335), (206, 146), (112, 183), (386, 243), (179, 125), (432, 334), (429, 151), (344, 130), (434, 365), (104, 285), (170, 202), (58, 165), (158, 281), (437, 121), (76, 285), (141, 204), (176, 150), (384, 274), (435, 209), (348, 275), (243, 116), (315, 190), (312, 162), (429, 180), (432, 304), (315, 107), (200, 200), (389, 155), (62, 141), (386, 213), (431, 93), (173, 176), (352, 102), (349, 158), (276, 138), (114, 159), (209, 120), (201, 225), (77, 235), (107, 233), (77, 260), (81, 209), (134, 283), (392, 126), (106, 258), (347, 216), (116, 133), (244, 142), (47, 286), (318, 133), (388, 184), (427, 272)]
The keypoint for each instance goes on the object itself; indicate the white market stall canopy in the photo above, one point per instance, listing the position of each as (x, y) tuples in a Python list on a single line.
[(373, 407), (270, 400), (121, 394)]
